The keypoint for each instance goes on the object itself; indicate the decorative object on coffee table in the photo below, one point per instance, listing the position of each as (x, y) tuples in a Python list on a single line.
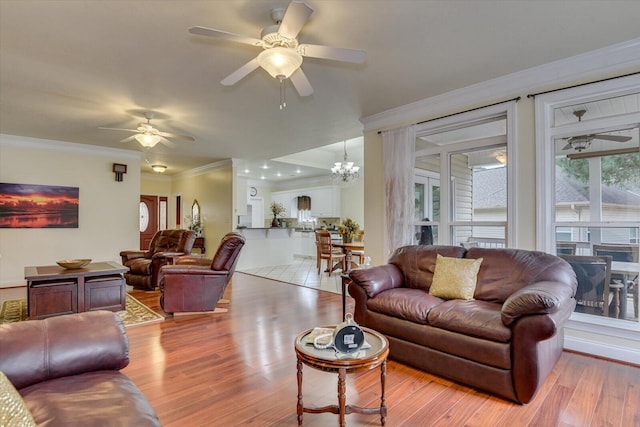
[(73, 263)]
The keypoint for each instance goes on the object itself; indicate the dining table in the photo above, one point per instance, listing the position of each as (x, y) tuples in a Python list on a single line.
[(348, 248), (629, 268)]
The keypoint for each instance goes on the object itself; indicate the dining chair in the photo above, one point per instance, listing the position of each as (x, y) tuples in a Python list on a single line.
[(325, 250), (623, 253), (359, 254), (593, 295), (566, 248)]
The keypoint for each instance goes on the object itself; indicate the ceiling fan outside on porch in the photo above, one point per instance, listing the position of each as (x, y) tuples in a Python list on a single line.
[(582, 142), (283, 54), (148, 136)]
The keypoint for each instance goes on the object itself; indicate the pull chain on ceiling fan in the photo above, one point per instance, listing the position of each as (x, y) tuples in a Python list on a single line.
[(283, 55)]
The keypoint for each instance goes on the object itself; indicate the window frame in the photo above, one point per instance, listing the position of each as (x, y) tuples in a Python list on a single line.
[(546, 222), (447, 206)]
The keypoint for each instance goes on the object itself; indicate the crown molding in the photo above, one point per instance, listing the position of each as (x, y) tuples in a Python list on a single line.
[(70, 147), (202, 170), (618, 58)]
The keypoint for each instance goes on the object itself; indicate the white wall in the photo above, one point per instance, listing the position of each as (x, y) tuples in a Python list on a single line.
[(108, 210), (212, 186)]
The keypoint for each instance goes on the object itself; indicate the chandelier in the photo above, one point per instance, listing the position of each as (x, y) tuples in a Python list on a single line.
[(345, 172)]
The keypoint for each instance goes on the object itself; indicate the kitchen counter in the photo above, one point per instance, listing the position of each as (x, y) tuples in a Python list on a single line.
[(266, 247)]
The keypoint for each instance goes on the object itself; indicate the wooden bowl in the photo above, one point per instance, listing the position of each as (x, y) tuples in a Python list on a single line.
[(73, 263)]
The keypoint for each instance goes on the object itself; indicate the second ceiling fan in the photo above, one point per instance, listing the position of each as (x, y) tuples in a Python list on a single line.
[(283, 54), (582, 142)]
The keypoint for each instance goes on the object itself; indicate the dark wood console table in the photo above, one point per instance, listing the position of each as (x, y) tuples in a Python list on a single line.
[(53, 290), (199, 244)]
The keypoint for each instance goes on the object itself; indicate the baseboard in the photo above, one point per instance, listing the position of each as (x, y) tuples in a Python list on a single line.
[(190, 313), (603, 350)]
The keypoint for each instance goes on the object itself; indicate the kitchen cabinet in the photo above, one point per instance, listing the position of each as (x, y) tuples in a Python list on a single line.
[(325, 201), (305, 244)]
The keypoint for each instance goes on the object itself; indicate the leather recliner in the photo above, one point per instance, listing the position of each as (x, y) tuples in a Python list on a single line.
[(144, 266), (196, 284)]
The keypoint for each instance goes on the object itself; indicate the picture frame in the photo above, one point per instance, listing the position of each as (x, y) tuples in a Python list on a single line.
[(38, 206)]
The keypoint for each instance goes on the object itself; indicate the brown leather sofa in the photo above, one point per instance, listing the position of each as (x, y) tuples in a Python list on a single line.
[(196, 284), (506, 340), (66, 369), (144, 266)]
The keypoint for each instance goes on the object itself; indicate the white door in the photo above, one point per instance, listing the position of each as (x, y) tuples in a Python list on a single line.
[(257, 212)]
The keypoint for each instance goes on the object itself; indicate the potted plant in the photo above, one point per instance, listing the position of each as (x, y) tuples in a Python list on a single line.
[(348, 230), (195, 224), (277, 209)]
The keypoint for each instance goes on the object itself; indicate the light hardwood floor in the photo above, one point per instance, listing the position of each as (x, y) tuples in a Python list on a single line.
[(239, 369)]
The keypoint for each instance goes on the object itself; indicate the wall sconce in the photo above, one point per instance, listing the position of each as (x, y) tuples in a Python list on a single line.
[(119, 169), (159, 168)]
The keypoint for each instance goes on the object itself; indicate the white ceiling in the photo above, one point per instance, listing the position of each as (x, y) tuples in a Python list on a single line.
[(68, 67)]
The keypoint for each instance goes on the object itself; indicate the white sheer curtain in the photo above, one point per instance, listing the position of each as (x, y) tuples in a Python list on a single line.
[(398, 148)]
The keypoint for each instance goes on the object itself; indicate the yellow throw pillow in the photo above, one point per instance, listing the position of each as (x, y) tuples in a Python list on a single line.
[(455, 278), (13, 411)]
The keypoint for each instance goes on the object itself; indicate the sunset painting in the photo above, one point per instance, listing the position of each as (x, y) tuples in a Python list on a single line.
[(38, 206)]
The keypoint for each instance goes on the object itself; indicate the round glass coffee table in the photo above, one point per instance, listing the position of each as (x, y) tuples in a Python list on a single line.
[(329, 360)]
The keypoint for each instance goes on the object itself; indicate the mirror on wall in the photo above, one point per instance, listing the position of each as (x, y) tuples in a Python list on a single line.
[(195, 211)]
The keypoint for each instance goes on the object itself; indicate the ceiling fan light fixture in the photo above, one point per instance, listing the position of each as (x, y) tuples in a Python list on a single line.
[(280, 61), (147, 140), (159, 168), (501, 157), (580, 144)]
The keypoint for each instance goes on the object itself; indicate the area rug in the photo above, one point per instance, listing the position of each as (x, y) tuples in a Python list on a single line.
[(135, 314)]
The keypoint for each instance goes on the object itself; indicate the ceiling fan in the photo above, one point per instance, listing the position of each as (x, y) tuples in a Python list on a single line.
[(582, 142), (148, 136), (282, 55)]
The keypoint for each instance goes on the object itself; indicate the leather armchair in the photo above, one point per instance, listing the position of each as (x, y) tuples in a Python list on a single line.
[(144, 266), (67, 371), (196, 284)]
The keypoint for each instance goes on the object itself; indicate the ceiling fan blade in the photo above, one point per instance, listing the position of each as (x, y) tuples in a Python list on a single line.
[(295, 17), (615, 138), (177, 135), (131, 138), (166, 142), (204, 31), (240, 73), (335, 53), (301, 83), (126, 130)]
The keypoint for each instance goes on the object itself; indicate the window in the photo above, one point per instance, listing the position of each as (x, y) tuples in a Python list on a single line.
[(588, 192), (463, 182), (427, 207)]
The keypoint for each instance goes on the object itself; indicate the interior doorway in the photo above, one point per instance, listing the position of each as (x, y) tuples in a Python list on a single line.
[(148, 220)]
